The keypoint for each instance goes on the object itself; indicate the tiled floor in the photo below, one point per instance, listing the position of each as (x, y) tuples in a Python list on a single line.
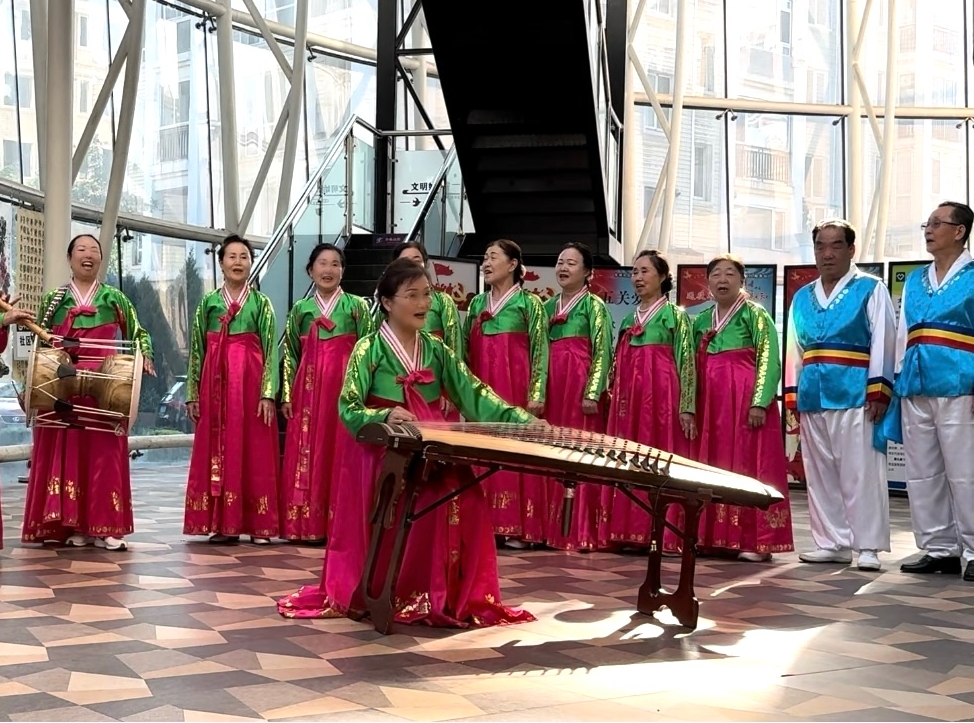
[(180, 630)]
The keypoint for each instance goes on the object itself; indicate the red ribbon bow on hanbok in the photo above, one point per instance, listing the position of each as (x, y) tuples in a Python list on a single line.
[(414, 400), (702, 363), (558, 319), (324, 322), (634, 331)]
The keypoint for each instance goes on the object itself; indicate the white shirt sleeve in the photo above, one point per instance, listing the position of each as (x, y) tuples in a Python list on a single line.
[(883, 348), (901, 336), (793, 362)]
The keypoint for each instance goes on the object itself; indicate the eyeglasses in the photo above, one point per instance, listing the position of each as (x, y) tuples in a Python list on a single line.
[(416, 298), (937, 223)]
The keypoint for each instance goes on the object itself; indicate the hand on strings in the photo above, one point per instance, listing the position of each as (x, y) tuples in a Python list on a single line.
[(589, 407), (398, 415), (688, 422), (287, 409), (875, 411), (756, 417), (193, 411), (446, 406), (536, 408), (538, 425), (148, 367), (266, 411)]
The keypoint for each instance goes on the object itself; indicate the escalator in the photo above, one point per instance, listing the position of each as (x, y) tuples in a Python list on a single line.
[(526, 89)]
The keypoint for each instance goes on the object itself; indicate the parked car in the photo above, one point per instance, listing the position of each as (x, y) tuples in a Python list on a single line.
[(172, 408), (11, 414)]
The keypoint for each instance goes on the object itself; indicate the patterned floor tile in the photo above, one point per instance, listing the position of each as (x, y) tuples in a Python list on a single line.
[(177, 629)]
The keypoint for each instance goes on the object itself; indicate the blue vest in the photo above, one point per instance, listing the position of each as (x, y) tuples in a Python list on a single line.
[(836, 342), (939, 359)]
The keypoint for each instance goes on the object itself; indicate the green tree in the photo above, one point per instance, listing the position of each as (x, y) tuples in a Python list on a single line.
[(169, 360)]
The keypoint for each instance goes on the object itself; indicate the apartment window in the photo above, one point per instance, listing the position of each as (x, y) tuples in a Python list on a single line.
[(12, 84), (818, 87), (945, 130), (908, 38), (784, 27), (83, 31), (648, 193), (945, 41), (944, 92), (907, 89), (11, 154), (661, 84), (880, 89), (703, 171), (25, 24), (935, 175), (816, 178), (707, 62), (904, 173), (820, 13), (663, 7), (84, 95), (270, 110), (184, 35), (136, 245)]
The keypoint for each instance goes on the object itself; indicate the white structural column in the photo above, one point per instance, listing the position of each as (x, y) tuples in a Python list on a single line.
[(126, 121), (854, 150), (676, 123), (630, 220), (38, 29), (295, 104), (889, 134), (420, 77), (57, 177), (228, 119)]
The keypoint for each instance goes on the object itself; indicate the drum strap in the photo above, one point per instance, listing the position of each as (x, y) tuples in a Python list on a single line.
[(53, 306)]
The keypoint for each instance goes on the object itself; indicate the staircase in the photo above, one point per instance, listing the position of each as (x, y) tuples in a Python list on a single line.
[(526, 89)]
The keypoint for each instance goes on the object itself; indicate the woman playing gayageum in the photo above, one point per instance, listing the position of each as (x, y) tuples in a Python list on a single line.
[(397, 375)]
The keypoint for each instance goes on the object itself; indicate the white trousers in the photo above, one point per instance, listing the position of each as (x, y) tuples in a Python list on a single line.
[(848, 498), (938, 437)]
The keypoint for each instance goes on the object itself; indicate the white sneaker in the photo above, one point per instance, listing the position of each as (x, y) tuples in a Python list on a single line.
[(754, 557), (111, 543), (515, 544), (79, 540), (260, 540), (836, 556), (868, 560)]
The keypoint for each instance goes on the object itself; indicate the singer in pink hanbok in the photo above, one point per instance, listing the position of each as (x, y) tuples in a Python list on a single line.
[(79, 491), (321, 331), (507, 347), (579, 360), (738, 373), (12, 317), (449, 570), (653, 390), (230, 389)]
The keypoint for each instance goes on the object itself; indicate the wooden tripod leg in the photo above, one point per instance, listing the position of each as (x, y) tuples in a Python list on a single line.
[(385, 500), (682, 602)]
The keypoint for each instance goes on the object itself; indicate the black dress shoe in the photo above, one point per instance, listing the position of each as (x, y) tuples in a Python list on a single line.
[(927, 565), (969, 572)]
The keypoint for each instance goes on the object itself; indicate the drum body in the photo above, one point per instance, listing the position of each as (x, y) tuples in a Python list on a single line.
[(44, 387)]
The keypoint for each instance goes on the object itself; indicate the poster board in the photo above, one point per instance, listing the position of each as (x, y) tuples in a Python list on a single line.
[(457, 277), (692, 293), (896, 274), (613, 286)]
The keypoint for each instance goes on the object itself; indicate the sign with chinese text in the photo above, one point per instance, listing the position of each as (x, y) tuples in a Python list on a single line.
[(458, 278), (693, 294), (415, 174), (23, 343)]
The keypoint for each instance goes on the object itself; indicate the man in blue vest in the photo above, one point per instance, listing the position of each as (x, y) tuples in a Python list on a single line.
[(935, 386), (841, 332)]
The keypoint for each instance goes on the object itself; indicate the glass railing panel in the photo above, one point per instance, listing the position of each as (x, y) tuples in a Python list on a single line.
[(363, 183), (274, 283), (330, 220)]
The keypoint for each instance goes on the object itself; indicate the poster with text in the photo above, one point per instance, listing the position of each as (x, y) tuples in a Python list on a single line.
[(614, 286), (897, 272), (693, 294), (795, 278), (458, 278)]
